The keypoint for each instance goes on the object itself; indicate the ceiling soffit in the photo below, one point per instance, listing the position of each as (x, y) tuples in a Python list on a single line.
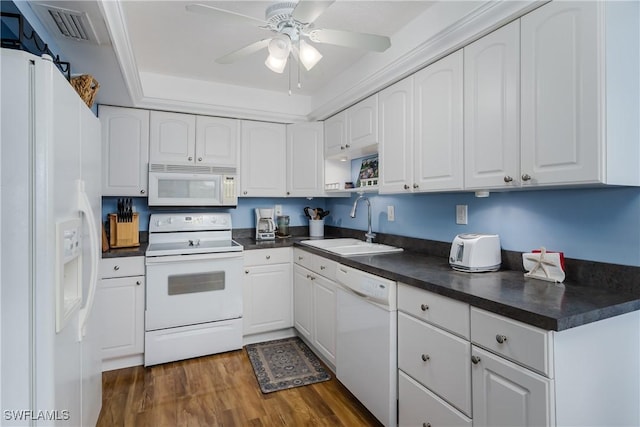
[(452, 24)]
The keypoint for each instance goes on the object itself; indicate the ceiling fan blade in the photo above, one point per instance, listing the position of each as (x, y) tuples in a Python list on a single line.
[(307, 11), (227, 14), (244, 51), (350, 39)]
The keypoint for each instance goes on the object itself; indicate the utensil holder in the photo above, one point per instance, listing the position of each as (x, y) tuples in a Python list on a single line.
[(124, 234), (316, 227)]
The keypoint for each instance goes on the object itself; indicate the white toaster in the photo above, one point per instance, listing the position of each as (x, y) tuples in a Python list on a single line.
[(475, 253)]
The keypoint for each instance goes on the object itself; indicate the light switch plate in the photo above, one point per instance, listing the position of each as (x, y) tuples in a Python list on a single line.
[(391, 214), (278, 210), (461, 214)]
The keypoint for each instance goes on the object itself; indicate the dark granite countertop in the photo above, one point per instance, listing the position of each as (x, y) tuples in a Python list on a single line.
[(538, 303), (124, 252)]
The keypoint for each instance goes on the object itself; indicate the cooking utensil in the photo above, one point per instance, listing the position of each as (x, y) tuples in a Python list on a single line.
[(307, 212), (324, 214)]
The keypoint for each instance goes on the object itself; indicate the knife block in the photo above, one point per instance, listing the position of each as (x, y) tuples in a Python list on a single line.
[(124, 234)]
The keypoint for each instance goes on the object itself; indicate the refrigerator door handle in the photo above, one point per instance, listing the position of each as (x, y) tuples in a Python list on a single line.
[(85, 207)]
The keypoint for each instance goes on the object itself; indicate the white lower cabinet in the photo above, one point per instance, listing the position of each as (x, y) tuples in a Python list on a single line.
[(120, 307), (515, 374), (420, 407), (507, 394), (267, 291), (315, 303), (438, 360)]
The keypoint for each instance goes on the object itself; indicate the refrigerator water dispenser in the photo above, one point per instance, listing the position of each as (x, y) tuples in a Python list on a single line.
[(68, 270)]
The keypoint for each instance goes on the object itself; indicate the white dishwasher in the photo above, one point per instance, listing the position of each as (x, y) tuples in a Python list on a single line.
[(366, 345)]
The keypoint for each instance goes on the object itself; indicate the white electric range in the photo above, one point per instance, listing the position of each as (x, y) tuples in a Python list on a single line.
[(194, 287)]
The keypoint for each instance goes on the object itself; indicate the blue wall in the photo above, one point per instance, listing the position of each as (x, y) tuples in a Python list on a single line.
[(242, 217), (591, 224)]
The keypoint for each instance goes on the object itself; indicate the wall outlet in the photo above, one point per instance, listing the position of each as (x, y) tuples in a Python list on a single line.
[(278, 210), (391, 214), (461, 214)]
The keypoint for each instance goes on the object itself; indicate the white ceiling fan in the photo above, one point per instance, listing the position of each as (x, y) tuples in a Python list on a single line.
[(292, 24)]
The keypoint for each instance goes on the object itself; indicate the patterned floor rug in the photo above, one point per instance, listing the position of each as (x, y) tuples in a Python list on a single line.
[(285, 363)]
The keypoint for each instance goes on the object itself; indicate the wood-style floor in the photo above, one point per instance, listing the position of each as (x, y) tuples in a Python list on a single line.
[(221, 390)]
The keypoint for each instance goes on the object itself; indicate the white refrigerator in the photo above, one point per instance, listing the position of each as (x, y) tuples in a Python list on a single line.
[(50, 210)]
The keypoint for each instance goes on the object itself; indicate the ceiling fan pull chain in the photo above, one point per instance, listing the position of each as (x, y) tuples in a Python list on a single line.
[(298, 65), (289, 77)]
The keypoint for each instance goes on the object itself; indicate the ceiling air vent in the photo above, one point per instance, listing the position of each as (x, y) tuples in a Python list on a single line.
[(71, 24)]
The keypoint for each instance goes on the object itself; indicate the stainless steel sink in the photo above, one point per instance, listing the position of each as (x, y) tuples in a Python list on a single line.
[(350, 247)]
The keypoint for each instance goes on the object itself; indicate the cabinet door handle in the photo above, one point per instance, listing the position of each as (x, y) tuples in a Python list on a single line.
[(138, 282), (300, 258), (142, 191), (246, 272), (426, 424), (501, 338), (199, 159), (322, 267), (268, 257), (475, 360), (190, 158), (342, 147), (424, 307), (526, 177), (116, 267), (244, 192), (416, 186), (507, 178), (425, 357), (288, 193), (406, 187), (347, 145)]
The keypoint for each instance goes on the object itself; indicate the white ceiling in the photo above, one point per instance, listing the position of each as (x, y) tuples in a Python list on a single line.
[(158, 55), (168, 39)]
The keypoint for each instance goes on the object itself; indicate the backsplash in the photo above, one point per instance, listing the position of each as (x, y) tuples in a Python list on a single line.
[(597, 224), (242, 216)]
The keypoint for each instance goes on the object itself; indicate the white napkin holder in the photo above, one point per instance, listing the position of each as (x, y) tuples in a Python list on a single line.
[(544, 265)]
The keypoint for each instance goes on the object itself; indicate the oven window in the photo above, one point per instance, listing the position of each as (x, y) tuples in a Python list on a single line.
[(198, 282)]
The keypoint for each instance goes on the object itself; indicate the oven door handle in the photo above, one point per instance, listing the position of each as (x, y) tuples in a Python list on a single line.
[(194, 257)]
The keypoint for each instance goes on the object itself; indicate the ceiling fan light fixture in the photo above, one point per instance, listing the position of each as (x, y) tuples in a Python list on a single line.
[(279, 47), (309, 55), (275, 64)]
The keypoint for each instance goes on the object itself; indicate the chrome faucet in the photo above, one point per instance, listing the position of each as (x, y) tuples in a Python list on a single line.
[(369, 234)]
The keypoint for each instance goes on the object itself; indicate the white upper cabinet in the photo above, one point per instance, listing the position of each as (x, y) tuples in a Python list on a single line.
[(335, 134), (580, 99), (199, 140), (439, 125), (172, 138), (491, 110), (354, 131), (217, 141), (125, 151), (362, 123), (395, 121), (263, 150), (305, 161)]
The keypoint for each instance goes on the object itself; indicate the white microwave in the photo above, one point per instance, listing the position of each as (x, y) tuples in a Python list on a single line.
[(190, 185)]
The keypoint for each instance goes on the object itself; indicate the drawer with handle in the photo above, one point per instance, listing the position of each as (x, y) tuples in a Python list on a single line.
[(522, 343), (441, 311), (267, 256), (303, 258), (421, 408), (122, 267)]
